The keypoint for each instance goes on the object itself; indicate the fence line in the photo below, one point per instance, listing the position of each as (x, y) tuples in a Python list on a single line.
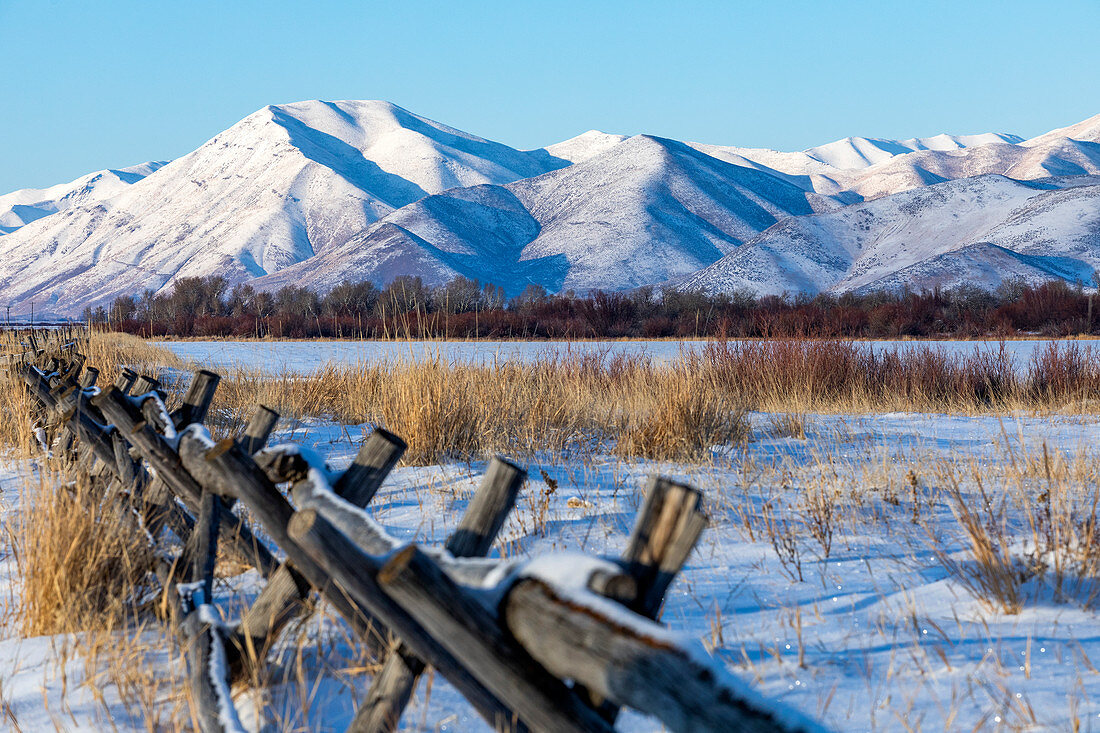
[(553, 643)]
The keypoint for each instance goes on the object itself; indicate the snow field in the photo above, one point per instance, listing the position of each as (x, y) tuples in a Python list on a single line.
[(887, 627)]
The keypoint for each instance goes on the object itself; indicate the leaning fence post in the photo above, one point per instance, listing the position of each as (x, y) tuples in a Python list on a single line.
[(228, 469), (205, 637), (197, 401), (258, 430), (392, 687), (472, 633), (125, 380), (378, 455), (665, 532), (668, 526), (166, 461), (280, 600), (143, 385), (89, 378)]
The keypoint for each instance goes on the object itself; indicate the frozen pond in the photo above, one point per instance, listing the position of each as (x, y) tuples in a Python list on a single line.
[(304, 357)]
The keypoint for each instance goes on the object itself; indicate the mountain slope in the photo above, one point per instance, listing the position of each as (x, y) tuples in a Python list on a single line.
[(276, 188), (643, 211), (979, 230), (865, 168), (19, 208)]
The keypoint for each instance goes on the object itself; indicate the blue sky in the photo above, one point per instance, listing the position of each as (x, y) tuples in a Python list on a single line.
[(88, 85)]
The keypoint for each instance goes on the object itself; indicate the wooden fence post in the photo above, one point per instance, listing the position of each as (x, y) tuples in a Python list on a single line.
[(204, 635), (227, 469), (392, 688), (280, 600), (665, 532), (197, 400), (471, 633), (258, 430), (125, 380), (667, 528), (166, 461)]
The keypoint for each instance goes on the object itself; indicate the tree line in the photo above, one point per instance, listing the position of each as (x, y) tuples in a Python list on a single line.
[(465, 308)]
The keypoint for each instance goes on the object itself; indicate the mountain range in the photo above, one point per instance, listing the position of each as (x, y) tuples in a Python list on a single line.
[(314, 193)]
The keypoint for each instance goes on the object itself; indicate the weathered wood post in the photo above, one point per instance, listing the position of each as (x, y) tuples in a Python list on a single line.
[(281, 599), (227, 469), (202, 630), (125, 380), (197, 400), (637, 663), (166, 462), (259, 428), (665, 532), (392, 688), (448, 629)]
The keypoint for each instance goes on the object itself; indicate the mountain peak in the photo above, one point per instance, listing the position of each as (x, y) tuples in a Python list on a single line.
[(1085, 131), (584, 146)]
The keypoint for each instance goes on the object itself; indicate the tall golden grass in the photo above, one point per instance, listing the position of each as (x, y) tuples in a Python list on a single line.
[(83, 563), (631, 405), (673, 410)]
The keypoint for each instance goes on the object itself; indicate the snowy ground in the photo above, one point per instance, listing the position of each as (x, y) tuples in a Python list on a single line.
[(878, 635), (303, 357)]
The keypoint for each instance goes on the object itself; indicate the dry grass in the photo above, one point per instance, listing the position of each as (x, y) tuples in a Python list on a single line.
[(83, 563), (108, 351), (632, 406), (635, 407)]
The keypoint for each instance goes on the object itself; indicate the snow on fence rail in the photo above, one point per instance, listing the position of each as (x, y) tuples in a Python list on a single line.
[(556, 643)]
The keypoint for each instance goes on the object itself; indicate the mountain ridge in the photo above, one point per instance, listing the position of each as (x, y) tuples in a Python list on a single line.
[(320, 191)]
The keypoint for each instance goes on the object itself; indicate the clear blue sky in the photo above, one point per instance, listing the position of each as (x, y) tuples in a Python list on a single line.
[(87, 85)]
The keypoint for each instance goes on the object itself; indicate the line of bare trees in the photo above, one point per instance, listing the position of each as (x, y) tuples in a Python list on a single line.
[(465, 308)]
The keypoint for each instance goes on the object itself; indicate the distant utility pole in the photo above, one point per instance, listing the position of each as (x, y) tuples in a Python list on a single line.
[(7, 317)]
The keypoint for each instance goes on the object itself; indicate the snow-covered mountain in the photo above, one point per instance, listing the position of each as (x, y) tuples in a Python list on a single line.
[(584, 146), (855, 153), (282, 185), (864, 168), (979, 230), (318, 192), (30, 204), (643, 211)]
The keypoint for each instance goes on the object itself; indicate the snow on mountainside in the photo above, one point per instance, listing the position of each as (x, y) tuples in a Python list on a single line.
[(1084, 131), (645, 210), (853, 153), (278, 187), (584, 146), (978, 230), (842, 158), (866, 168), (30, 204)]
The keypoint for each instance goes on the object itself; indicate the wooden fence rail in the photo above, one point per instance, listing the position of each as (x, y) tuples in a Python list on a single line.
[(555, 643)]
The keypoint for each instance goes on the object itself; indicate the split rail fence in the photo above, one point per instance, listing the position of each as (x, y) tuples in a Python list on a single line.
[(554, 643)]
